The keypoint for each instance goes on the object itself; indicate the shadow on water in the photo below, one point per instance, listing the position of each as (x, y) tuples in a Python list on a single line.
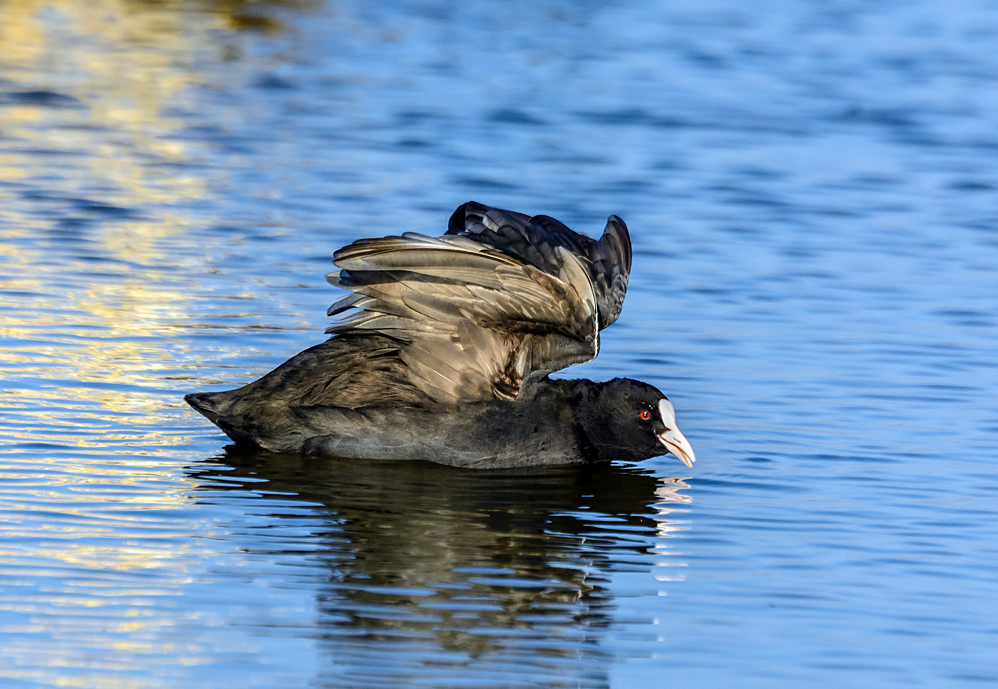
[(504, 573)]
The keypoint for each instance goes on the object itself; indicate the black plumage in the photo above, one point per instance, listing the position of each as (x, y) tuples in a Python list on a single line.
[(443, 351)]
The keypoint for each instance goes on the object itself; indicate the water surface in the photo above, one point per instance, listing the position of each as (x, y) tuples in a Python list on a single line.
[(811, 192)]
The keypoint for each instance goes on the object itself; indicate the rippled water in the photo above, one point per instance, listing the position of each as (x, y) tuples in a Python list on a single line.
[(813, 196)]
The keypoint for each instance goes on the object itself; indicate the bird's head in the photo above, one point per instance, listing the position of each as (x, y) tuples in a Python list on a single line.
[(628, 419)]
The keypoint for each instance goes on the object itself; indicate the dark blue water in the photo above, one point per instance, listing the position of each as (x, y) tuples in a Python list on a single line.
[(812, 191)]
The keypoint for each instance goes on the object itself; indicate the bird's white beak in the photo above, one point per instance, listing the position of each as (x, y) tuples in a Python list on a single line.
[(674, 441)]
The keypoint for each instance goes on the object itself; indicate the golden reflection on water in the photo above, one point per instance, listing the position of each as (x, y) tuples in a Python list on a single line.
[(94, 103), (104, 136), (124, 64)]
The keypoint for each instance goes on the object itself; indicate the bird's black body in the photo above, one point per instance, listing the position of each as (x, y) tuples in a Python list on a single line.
[(447, 354), (556, 422)]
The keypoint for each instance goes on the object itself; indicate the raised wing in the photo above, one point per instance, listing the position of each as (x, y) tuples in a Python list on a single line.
[(533, 240), (479, 311)]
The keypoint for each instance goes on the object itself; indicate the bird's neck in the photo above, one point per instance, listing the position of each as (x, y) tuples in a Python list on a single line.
[(577, 402)]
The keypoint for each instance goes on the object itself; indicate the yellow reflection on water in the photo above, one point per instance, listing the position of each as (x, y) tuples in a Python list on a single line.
[(97, 171), (124, 64), (90, 88), (93, 103)]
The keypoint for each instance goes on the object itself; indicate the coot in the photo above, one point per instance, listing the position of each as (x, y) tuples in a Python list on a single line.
[(445, 349)]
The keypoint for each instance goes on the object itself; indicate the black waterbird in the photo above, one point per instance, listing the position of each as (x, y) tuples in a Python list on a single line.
[(445, 353)]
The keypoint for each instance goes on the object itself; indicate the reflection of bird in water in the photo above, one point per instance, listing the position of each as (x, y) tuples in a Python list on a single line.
[(487, 566), (446, 354)]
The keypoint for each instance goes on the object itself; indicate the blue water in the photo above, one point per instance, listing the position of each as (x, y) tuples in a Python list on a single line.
[(812, 192)]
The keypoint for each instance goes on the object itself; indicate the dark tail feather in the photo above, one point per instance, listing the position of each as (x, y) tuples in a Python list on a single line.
[(210, 404), (218, 407)]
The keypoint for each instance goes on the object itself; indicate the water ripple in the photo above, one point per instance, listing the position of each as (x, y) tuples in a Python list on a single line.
[(809, 194)]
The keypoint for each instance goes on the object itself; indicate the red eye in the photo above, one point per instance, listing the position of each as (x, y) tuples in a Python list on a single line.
[(645, 414)]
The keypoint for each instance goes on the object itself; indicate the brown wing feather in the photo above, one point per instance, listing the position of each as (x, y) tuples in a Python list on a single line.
[(465, 312), (501, 296)]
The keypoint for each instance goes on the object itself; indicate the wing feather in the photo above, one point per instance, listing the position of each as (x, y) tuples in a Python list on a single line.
[(500, 296)]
